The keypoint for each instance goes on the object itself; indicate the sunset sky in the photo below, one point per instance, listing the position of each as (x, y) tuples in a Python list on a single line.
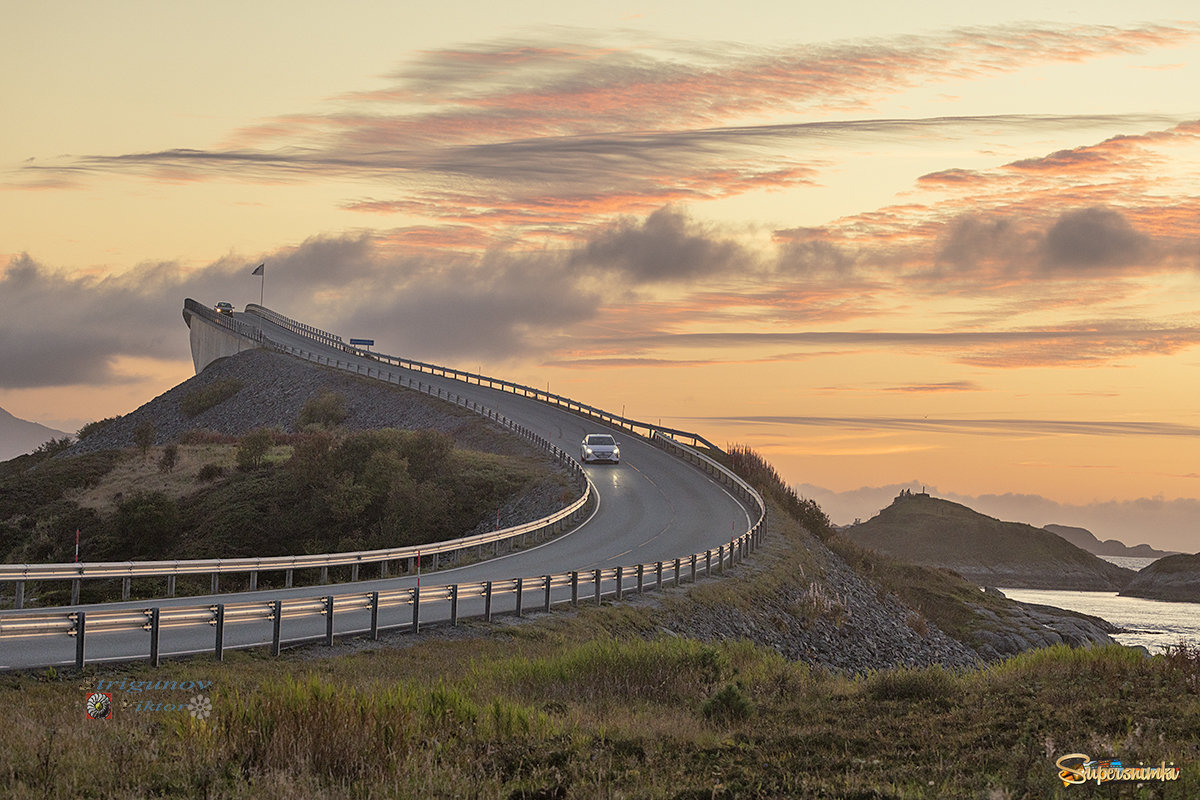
[(943, 243)]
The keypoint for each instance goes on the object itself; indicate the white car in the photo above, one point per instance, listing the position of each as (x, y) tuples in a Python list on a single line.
[(599, 447)]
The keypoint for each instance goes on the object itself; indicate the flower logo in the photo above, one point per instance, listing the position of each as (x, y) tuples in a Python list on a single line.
[(200, 707)]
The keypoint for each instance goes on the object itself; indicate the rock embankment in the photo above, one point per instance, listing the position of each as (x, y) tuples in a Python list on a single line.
[(1174, 578), (802, 599)]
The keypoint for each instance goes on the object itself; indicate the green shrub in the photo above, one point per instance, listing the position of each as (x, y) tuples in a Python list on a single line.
[(210, 472), (94, 427), (728, 705), (148, 524), (902, 683), (252, 452), (169, 458), (203, 398), (144, 435), (326, 410)]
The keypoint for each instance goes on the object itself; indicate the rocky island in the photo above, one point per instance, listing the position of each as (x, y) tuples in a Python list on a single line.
[(1175, 578), (938, 533)]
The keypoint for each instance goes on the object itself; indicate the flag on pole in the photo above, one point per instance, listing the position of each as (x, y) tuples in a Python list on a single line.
[(259, 269)]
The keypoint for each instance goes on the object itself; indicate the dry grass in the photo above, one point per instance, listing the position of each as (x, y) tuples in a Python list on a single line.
[(136, 473), (574, 711)]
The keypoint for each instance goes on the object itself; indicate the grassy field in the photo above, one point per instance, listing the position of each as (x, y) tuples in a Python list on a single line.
[(586, 705), (604, 703)]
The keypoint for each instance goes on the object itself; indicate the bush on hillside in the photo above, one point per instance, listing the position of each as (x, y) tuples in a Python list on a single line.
[(756, 471), (203, 398), (147, 525), (252, 452), (326, 410), (94, 427)]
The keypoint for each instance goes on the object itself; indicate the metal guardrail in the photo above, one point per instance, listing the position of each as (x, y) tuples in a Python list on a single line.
[(245, 329), (614, 583), (79, 623), (631, 425)]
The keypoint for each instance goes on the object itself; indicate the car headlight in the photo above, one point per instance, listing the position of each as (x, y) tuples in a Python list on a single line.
[(587, 451), (616, 452)]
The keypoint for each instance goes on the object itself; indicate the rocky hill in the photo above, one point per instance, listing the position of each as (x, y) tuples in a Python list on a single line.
[(1172, 578), (937, 533), (1086, 540), (269, 390)]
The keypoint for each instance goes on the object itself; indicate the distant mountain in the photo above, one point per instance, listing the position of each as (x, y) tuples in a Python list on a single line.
[(1174, 577), (1085, 539), (937, 533), (18, 436)]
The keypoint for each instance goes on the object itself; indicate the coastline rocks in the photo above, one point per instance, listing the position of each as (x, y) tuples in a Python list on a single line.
[(1027, 626), (1174, 578)]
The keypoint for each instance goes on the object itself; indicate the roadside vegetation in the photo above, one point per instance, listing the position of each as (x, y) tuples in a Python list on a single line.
[(585, 706), (267, 493)]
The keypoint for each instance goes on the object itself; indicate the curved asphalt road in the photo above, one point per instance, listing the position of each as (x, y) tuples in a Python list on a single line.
[(652, 507)]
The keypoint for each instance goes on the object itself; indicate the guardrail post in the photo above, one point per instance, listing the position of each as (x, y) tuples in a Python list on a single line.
[(287, 578), (353, 572), (596, 575), (329, 621), (619, 571), (277, 620), (416, 601), (520, 590), (80, 631), (641, 577), (721, 560), (374, 616), (677, 572), (125, 584), (20, 594), (658, 576), (383, 569), (170, 586), (693, 567), (548, 580), (219, 644), (574, 588), (216, 582), (75, 591), (707, 563), (253, 580), (454, 605), (324, 575), (487, 602), (154, 620)]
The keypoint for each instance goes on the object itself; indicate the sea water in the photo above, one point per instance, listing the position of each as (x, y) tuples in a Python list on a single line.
[(1153, 624)]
